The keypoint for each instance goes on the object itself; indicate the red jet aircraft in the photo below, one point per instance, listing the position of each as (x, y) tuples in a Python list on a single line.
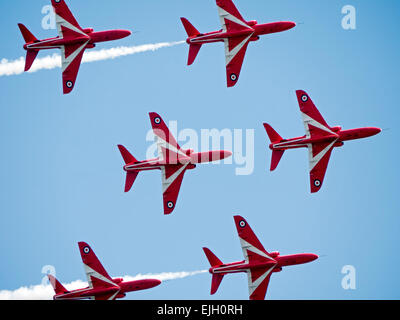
[(172, 160), (72, 40), (320, 139), (101, 285), (258, 264), (236, 33)]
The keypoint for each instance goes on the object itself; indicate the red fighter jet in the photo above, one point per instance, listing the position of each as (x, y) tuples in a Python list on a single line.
[(72, 40), (101, 285), (236, 33), (320, 139), (172, 160), (258, 264)]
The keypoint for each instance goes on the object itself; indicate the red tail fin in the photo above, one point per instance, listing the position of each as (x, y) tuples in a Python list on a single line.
[(272, 134), (216, 278), (128, 158), (57, 286), (190, 30), (276, 158), (193, 52), (28, 36), (30, 58), (276, 154), (216, 282), (212, 258), (130, 180)]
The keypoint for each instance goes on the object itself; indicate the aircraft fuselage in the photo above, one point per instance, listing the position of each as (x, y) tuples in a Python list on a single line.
[(191, 160), (277, 264), (338, 135), (118, 291), (255, 31), (89, 36)]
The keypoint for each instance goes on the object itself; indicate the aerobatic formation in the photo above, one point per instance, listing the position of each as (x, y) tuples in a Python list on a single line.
[(173, 161)]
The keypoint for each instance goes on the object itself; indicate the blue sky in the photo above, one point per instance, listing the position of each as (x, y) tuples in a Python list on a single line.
[(61, 173)]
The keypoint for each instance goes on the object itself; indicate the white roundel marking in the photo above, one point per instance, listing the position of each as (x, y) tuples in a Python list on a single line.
[(242, 224), (57, 1), (157, 120), (317, 183), (170, 204), (86, 250), (69, 84), (304, 98), (233, 77)]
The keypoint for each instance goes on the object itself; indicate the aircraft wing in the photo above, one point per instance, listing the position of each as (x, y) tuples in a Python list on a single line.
[(96, 275), (65, 20), (231, 19), (251, 246), (71, 58), (172, 176), (314, 123), (235, 51), (319, 155), (258, 282), (169, 150)]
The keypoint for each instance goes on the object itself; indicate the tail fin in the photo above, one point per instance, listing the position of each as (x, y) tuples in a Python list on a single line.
[(28, 36), (216, 282), (216, 278), (130, 176), (191, 32), (272, 134), (57, 286), (276, 158), (212, 258), (193, 52), (128, 158), (130, 180), (276, 154), (30, 58)]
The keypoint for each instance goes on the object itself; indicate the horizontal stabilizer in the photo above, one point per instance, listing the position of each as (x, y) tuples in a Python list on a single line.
[(216, 282), (126, 155), (276, 158), (212, 258), (190, 29), (30, 59), (57, 286), (272, 134), (193, 52), (130, 180), (28, 36)]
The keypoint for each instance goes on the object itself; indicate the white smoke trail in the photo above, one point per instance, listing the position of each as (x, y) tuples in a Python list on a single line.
[(16, 67), (45, 292)]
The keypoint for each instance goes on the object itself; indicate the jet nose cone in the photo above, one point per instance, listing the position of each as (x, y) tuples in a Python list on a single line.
[(126, 33), (292, 25), (227, 154), (313, 257)]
